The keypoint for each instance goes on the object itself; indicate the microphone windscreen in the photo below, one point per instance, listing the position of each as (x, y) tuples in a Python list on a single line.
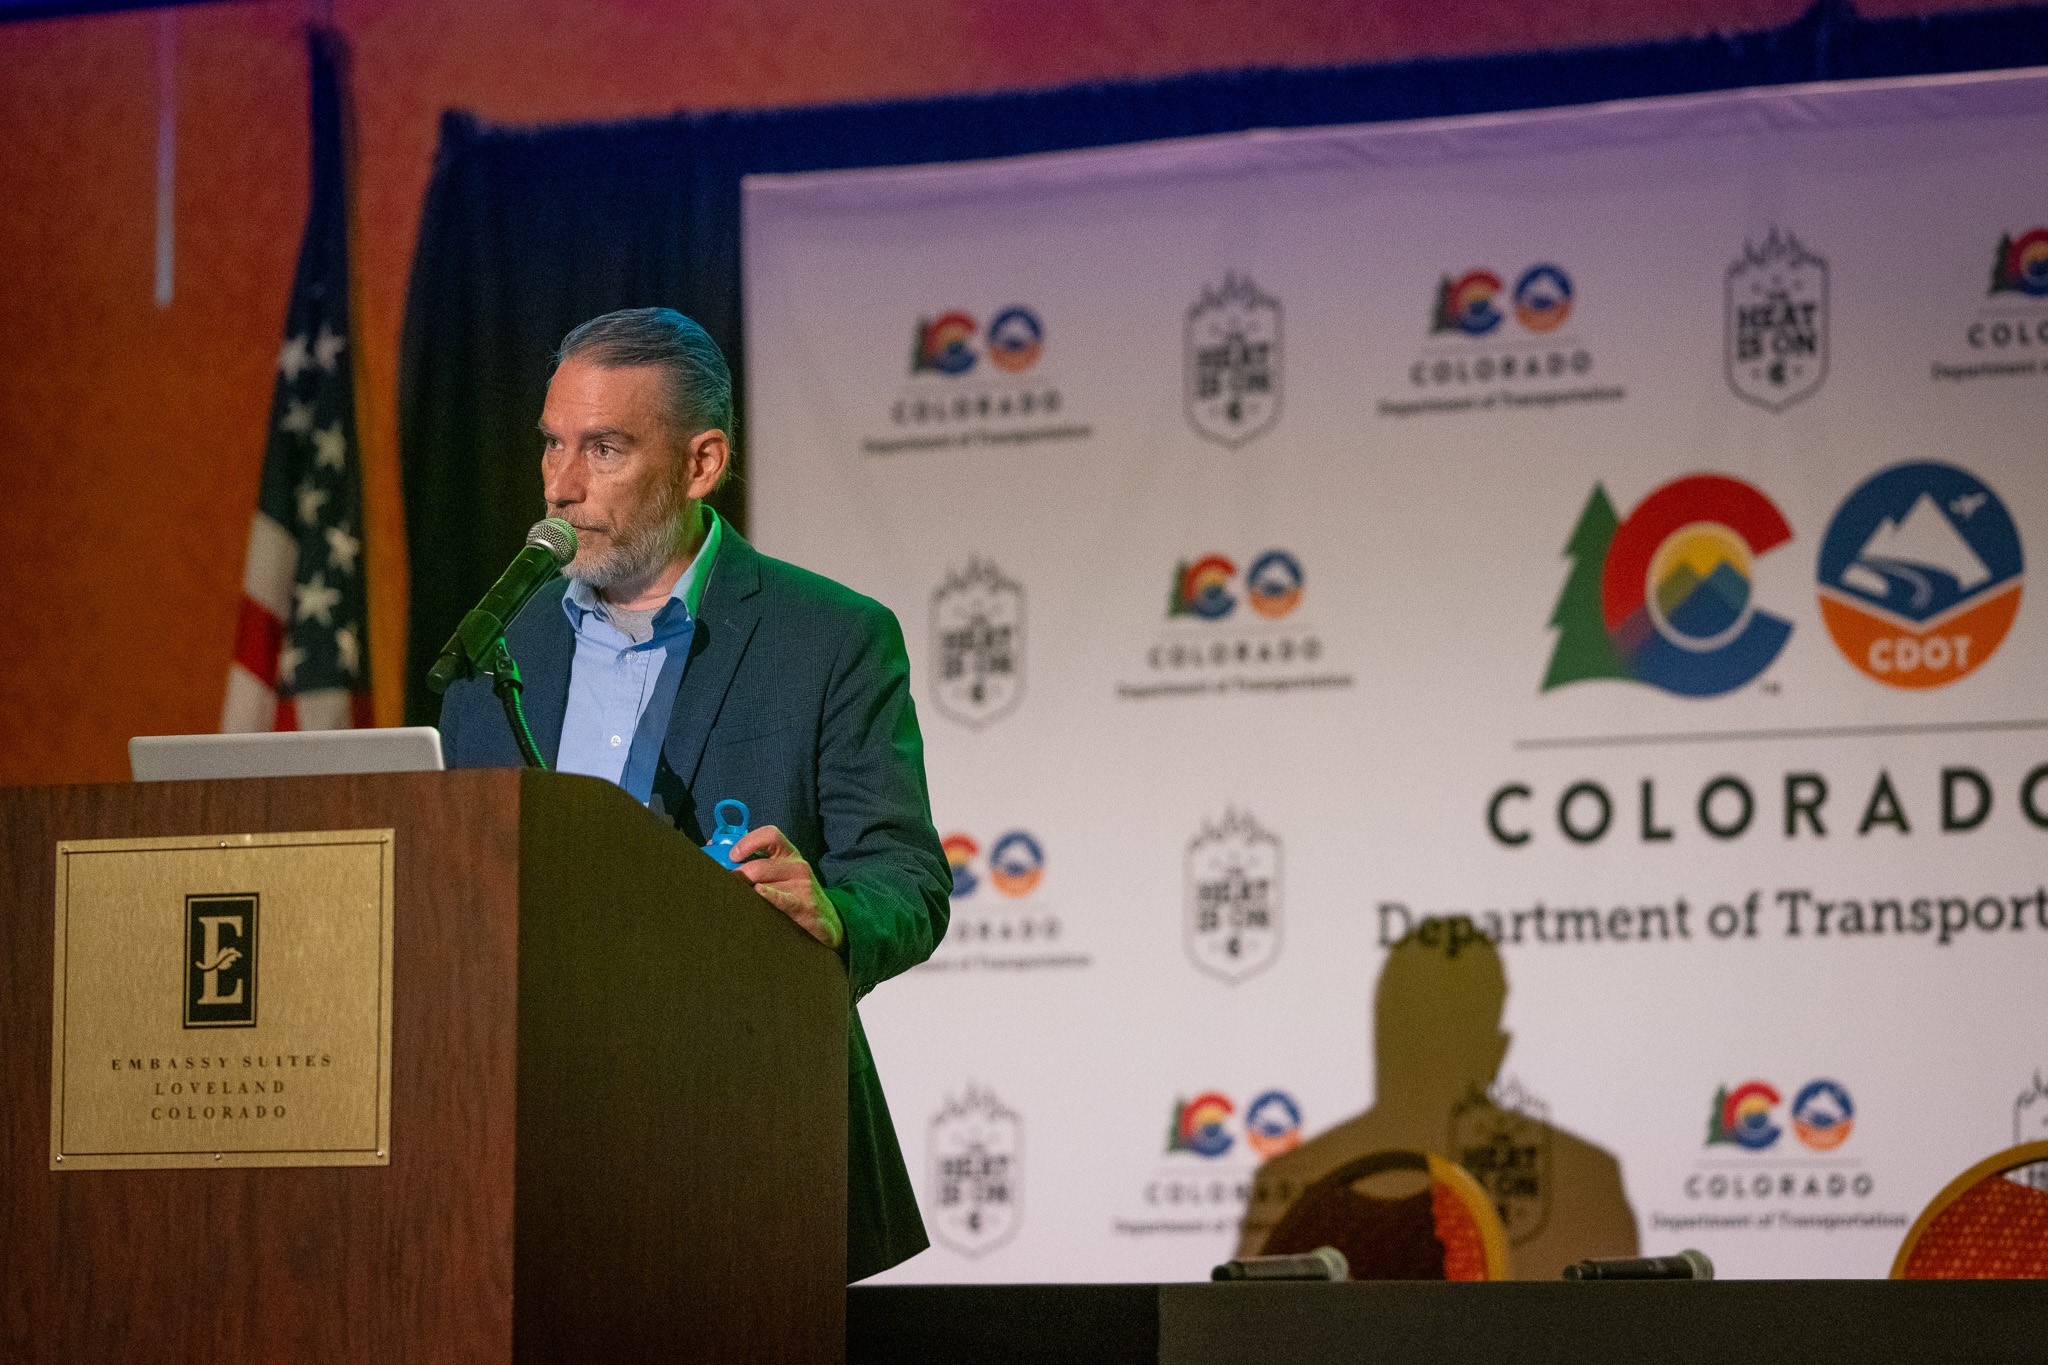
[(555, 536), (1702, 1268), (1334, 1262)]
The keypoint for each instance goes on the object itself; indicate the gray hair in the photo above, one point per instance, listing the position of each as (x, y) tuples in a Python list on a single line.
[(699, 380)]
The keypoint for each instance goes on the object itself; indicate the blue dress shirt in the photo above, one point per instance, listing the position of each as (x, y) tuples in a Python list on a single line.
[(622, 691)]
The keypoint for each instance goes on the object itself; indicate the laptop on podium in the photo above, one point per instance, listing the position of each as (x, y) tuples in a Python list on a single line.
[(290, 753)]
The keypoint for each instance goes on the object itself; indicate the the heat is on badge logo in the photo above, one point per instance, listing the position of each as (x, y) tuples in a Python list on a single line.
[(1233, 362), (1665, 597), (977, 1173), (978, 644), (1232, 922), (1920, 575), (220, 961), (1502, 1136), (1777, 322)]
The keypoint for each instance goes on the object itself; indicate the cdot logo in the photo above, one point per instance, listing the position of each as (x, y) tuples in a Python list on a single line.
[(1470, 304), (1015, 864), (1665, 597), (1272, 1124), (945, 344), (1920, 575), (1203, 587), (1822, 1116), (1207, 1125)]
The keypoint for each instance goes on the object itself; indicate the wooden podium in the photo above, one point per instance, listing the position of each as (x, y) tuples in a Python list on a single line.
[(617, 1105)]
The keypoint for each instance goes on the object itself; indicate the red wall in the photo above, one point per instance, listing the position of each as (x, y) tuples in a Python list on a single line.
[(136, 433)]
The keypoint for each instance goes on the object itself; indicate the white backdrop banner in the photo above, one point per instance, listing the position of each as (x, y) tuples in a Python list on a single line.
[(1608, 524)]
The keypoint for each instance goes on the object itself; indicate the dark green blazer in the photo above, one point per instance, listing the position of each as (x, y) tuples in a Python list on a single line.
[(795, 700)]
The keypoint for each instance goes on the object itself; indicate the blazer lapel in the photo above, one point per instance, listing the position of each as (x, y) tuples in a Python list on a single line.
[(725, 623), (544, 657)]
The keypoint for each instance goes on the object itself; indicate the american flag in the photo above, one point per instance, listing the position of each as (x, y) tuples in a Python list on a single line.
[(301, 657)]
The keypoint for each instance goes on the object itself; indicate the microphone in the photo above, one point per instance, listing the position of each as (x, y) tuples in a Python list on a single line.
[(1324, 1263), (1686, 1265), (549, 545)]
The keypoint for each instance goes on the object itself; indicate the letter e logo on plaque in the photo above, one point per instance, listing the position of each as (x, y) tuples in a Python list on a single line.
[(220, 978)]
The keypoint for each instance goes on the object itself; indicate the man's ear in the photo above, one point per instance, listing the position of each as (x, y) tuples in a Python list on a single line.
[(704, 462)]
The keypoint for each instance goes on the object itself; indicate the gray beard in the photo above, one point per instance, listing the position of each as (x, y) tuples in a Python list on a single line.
[(640, 553)]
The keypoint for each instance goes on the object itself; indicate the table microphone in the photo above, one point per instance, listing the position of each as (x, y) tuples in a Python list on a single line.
[(1324, 1263), (1686, 1265)]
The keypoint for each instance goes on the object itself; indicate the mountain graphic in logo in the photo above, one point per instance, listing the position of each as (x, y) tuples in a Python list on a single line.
[(1920, 575), (1917, 559)]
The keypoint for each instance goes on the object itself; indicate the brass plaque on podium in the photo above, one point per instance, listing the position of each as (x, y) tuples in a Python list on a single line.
[(222, 1002)]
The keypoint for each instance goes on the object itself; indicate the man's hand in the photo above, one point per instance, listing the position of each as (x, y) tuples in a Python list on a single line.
[(786, 881)]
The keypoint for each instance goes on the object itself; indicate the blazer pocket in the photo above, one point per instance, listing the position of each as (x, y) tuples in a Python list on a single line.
[(755, 729)]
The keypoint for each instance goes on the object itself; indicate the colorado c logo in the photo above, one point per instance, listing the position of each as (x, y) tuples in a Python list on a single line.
[(1672, 604), (1466, 304), (1742, 1116), (1199, 1126)]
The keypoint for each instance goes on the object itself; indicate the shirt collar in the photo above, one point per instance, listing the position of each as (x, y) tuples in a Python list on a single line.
[(581, 599)]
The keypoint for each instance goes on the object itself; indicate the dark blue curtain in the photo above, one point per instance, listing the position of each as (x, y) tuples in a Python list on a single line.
[(529, 231)]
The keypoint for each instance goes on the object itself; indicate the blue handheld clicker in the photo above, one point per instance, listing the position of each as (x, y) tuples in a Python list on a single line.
[(732, 827)]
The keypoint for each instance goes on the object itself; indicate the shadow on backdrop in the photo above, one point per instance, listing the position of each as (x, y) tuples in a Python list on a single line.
[(1438, 1048)]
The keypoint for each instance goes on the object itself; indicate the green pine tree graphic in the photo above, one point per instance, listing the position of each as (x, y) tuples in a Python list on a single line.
[(1440, 316), (1584, 648), (2001, 280), (1715, 1132)]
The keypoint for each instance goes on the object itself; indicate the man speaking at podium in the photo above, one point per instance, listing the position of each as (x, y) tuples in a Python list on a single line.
[(679, 662)]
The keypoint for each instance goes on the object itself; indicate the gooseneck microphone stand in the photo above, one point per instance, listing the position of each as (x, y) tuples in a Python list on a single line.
[(503, 672)]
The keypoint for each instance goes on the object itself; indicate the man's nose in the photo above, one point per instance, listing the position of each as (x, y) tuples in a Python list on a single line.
[(562, 484)]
